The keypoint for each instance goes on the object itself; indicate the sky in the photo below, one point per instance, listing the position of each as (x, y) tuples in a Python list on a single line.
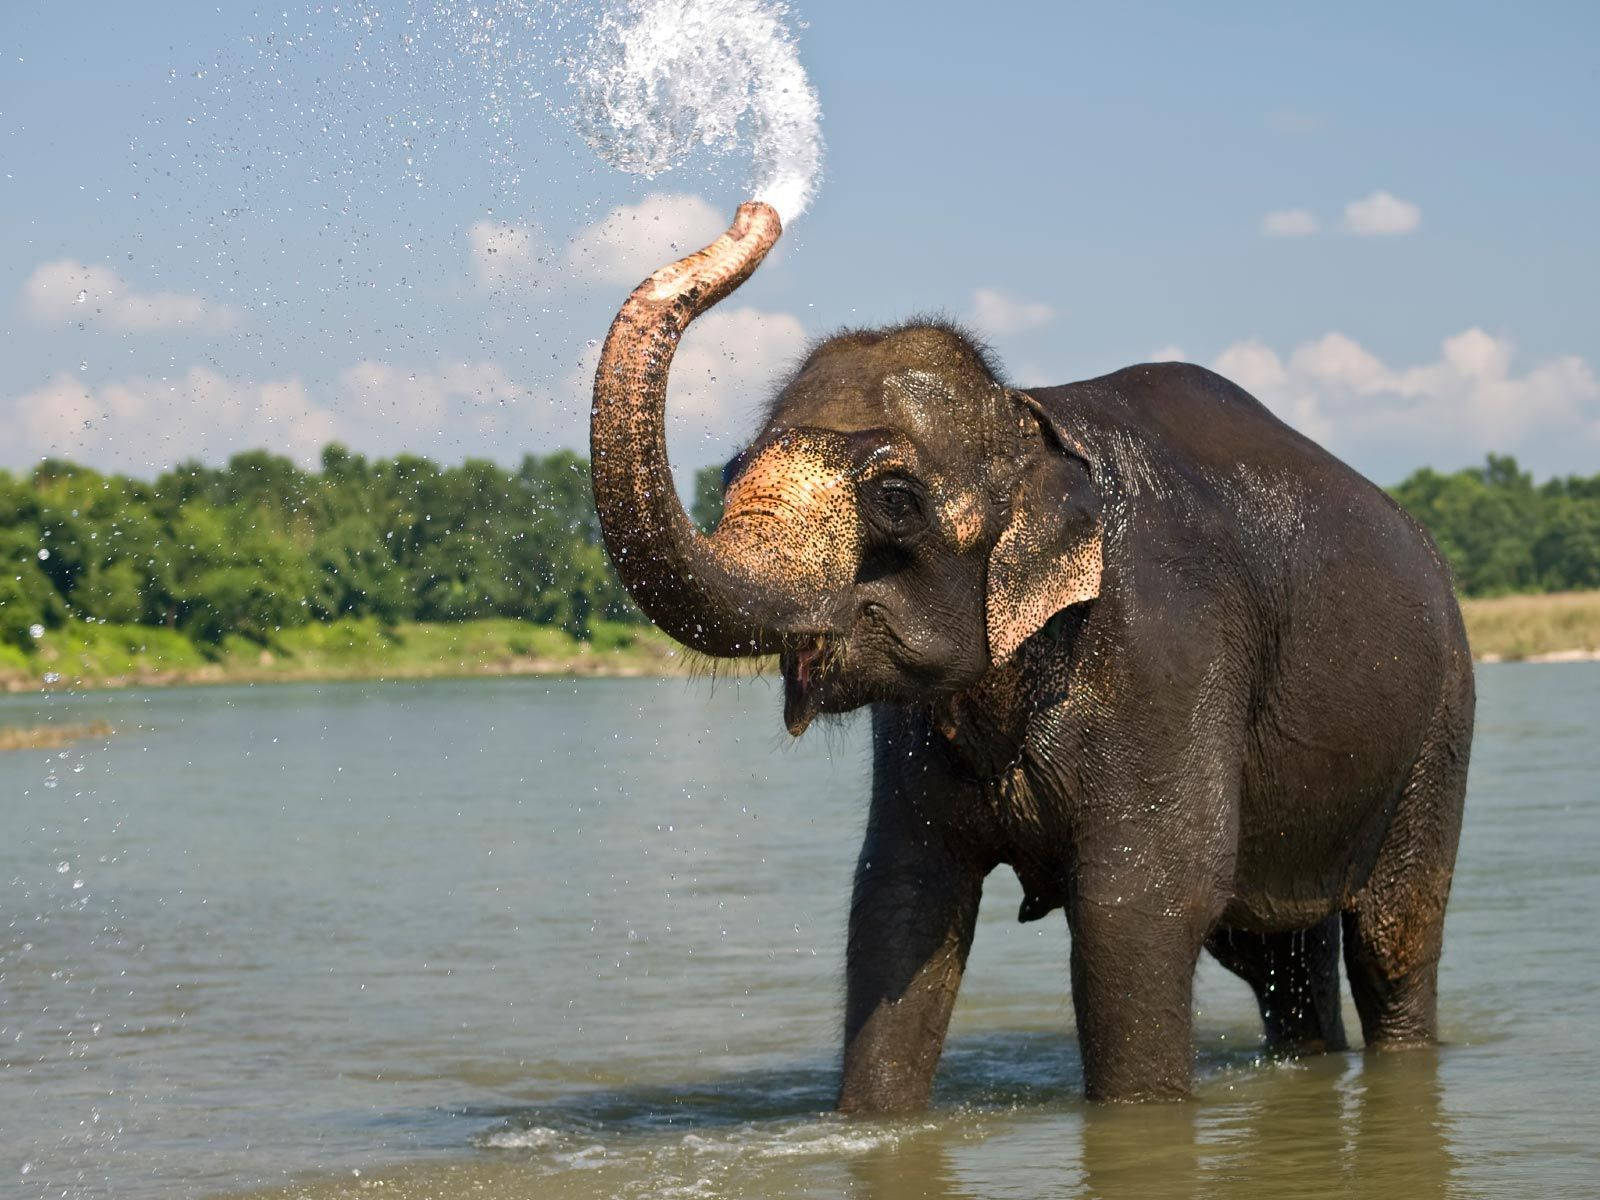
[(372, 222)]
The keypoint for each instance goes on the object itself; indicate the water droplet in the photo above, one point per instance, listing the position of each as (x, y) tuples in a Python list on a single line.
[(63, 867), (36, 630), (632, 108), (83, 295), (43, 554)]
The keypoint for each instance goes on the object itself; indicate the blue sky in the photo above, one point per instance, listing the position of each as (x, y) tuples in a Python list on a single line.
[(1378, 218)]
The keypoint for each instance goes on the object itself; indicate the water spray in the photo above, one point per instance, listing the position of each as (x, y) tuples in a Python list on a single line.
[(660, 78)]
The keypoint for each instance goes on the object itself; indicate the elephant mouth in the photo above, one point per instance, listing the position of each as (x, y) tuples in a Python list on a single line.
[(807, 662)]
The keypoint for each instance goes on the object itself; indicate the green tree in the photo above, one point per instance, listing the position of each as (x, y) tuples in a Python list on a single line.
[(111, 590), (355, 573), (27, 596), (706, 508), (1501, 533)]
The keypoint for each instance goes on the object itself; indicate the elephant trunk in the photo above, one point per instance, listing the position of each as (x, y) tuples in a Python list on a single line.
[(708, 592)]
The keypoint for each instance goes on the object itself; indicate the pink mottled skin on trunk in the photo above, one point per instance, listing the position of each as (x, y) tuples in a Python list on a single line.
[(722, 592)]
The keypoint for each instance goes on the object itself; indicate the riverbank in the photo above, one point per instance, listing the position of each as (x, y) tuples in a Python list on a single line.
[(1563, 626), (1555, 627), (51, 737), (81, 655)]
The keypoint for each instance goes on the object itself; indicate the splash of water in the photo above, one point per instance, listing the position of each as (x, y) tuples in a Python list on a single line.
[(662, 77)]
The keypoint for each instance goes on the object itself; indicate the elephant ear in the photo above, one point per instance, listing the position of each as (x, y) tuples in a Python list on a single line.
[(1048, 556)]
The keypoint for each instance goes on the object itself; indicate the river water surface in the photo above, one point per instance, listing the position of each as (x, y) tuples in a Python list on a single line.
[(542, 938)]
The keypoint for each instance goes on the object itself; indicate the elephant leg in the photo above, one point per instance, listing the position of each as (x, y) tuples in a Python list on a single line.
[(1394, 929), (910, 930), (911, 920), (1133, 964), (1295, 976), (1397, 999), (1152, 870)]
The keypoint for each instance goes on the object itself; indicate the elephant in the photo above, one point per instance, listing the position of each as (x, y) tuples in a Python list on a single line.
[(1197, 682)]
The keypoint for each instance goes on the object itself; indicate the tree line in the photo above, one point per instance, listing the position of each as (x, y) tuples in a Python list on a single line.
[(260, 545), (1503, 533)]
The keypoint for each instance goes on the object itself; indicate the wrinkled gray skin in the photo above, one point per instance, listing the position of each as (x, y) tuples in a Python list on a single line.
[(1198, 683)]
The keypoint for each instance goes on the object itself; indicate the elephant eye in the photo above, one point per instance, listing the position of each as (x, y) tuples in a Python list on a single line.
[(896, 507)]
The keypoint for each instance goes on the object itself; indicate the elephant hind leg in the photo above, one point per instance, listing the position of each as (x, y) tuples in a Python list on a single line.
[(1394, 926), (1295, 976)]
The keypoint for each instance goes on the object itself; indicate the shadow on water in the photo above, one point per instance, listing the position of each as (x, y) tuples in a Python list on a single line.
[(978, 1073), (753, 1096), (1008, 1119)]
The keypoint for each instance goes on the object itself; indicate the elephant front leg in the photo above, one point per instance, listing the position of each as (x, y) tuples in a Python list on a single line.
[(1133, 962), (1142, 897), (911, 922)]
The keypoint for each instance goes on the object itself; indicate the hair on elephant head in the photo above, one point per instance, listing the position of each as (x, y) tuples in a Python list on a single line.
[(901, 524)]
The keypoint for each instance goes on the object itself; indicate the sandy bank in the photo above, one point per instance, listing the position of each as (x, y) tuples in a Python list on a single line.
[(51, 737)]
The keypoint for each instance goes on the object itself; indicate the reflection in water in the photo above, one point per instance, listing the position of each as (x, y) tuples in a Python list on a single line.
[(1403, 1137), (1346, 1125), (921, 1165)]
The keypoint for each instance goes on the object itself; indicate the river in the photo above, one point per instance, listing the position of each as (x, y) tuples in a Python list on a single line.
[(547, 938)]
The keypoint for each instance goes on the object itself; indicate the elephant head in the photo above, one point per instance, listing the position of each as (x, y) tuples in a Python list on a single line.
[(900, 526)]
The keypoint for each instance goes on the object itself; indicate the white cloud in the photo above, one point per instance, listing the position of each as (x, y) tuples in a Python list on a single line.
[(1289, 222), (462, 407), (632, 240), (1335, 360), (143, 425), (506, 255), (622, 247), (999, 315), (1467, 402), (1253, 365), (1257, 368), (69, 290), (1381, 214), (146, 424), (726, 365)]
